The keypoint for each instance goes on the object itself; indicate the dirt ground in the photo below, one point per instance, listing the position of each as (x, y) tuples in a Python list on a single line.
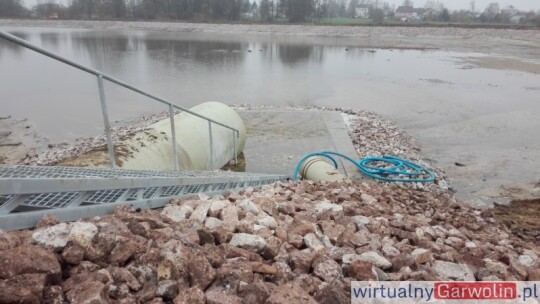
[(18, 139), (521, 217)]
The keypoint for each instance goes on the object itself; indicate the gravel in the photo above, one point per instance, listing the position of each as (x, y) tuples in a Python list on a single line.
[(311, 256)]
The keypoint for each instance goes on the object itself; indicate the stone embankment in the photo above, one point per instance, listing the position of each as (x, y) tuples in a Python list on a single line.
[(287, 243)]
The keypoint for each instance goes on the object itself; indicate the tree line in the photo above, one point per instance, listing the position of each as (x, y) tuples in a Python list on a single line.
[(293, 11), (197, 10)]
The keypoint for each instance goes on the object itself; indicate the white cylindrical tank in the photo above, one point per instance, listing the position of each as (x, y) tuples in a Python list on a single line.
[(316, 169), (152, 148)]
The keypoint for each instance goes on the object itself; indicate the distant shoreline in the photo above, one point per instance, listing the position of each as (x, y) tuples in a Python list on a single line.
[(227, 22), (507, 42)]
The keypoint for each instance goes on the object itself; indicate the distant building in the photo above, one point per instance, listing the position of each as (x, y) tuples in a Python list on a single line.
[(516, 19), (407, 13), (362, 12)]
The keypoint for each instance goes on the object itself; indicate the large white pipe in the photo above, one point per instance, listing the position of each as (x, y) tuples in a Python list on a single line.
[(152, 148), (316, 169)]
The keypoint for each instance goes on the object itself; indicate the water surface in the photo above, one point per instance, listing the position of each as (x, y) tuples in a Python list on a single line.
[(486, 118)]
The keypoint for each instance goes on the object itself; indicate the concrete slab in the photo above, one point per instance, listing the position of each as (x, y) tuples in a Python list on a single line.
[(277, 139)]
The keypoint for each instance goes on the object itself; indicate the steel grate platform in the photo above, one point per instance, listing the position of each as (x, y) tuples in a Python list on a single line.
[(76, 172), (29, 192)]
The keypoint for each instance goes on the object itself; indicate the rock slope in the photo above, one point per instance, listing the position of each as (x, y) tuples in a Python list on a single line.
[(287, 243)]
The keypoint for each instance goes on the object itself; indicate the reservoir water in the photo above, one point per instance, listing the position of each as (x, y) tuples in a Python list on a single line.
[(458, 111)]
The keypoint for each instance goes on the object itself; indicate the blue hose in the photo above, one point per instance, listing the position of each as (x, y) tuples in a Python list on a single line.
[(399, 167)]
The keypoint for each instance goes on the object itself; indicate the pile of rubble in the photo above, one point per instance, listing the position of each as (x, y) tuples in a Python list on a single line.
[(373, 135), (287, 243)]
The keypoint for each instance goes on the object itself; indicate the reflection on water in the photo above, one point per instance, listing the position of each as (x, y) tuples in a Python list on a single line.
[(13, 49), (190, 68), (292, 55)]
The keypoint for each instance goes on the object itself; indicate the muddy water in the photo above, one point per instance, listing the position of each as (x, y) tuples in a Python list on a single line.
[(477, 109)]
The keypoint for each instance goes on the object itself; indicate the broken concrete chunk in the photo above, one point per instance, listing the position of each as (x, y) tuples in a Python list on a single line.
[(176, 213), (375, 259), (453, 271), (248, 241)]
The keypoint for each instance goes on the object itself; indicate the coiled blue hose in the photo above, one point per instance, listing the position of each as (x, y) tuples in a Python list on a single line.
[(399, 167)]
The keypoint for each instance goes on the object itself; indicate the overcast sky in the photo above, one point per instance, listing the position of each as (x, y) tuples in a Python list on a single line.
[(525, 5)]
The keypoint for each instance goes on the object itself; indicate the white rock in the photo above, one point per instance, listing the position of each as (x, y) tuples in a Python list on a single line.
[(526, 260), (360, 221), (212, 223), (455, 232), (326, 242), (268, 221), (55, 237), (229, 216), (505, 242), (429, 231), (203, 197), (248, 241), (258, 227), (325, 206), (419, 232), (201, 211), (440, 231), (368, 199), (390, 250), (249, 206), (379, 274), (83, 233), (398, 218), (305, 251), (216, 207), (443, 184), (375, 259), (350, 257), (312, 242), (470, 244), (453, 271), (176, 213)]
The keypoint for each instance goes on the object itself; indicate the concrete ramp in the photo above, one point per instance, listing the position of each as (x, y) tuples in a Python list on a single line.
[(278, 138)]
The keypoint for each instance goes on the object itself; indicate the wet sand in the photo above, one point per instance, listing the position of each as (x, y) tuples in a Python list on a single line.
[(521, 217), (18, 140)]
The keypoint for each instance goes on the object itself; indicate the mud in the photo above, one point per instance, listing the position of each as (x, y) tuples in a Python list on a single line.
[(521, 217), (18, 140), (502, 63)]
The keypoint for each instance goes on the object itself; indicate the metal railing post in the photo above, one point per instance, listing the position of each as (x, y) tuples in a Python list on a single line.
[(211, 145), (173, 131), (234, 147), (106, 122)]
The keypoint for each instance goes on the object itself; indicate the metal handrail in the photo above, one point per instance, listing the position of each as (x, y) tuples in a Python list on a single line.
[(100, 76)]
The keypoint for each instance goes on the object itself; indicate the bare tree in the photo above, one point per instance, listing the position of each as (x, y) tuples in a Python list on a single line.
[(12, 8), (408, 3), (491, 13)]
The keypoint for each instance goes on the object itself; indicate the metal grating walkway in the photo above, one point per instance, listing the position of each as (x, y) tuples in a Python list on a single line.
[(29, 192)]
